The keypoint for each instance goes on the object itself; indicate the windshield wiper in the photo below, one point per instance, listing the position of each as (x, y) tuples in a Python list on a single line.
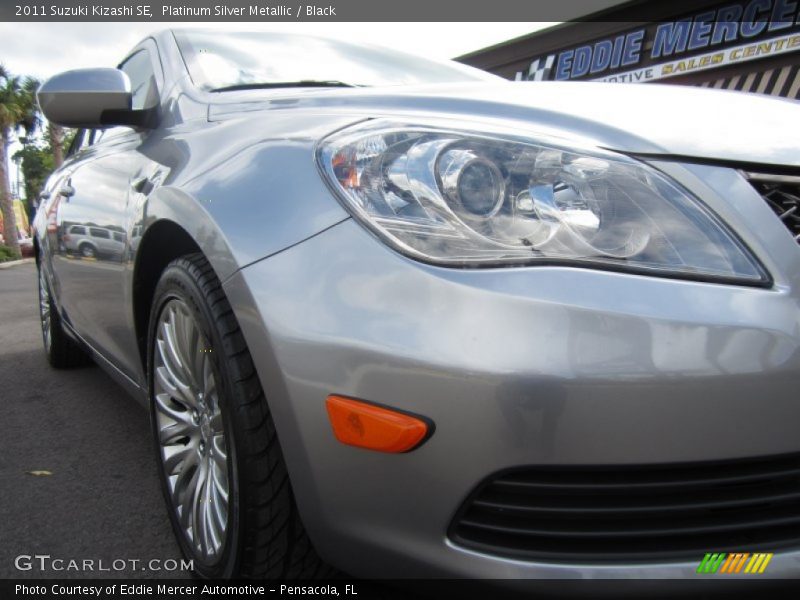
[(283, 84)]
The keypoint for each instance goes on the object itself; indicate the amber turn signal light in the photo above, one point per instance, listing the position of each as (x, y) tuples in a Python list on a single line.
[(365, 425)]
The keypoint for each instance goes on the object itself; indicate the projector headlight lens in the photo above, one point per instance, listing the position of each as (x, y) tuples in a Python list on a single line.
[(465, 198), (471, 182)]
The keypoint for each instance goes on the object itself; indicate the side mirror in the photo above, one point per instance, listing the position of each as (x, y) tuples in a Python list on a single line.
[(89, 98)]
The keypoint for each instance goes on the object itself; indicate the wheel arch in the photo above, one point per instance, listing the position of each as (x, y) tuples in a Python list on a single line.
[(163, 242), (173, 224)]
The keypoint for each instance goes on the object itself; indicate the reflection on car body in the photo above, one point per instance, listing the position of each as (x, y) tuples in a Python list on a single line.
[(90, 242)]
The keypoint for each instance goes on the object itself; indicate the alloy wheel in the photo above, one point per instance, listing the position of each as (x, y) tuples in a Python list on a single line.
[(190, 430), (44, 311)]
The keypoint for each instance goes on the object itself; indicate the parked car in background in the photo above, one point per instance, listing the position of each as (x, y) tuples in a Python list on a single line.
[(89, 242), (405, 319), (25, 244)]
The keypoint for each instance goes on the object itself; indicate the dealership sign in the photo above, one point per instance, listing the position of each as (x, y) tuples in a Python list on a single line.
[(761, 27), (710, 60)]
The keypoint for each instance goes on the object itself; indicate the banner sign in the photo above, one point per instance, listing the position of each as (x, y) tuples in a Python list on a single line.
[(740, 32), (710, 60)]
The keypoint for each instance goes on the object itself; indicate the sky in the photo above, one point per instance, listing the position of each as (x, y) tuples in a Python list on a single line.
[(43, 49)]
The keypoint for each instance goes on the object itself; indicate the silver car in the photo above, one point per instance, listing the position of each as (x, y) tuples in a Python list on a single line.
[(88, 241), (402, 318)]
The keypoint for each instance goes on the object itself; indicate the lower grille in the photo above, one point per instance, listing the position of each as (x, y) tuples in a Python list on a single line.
[(782, 194), (634, 513)]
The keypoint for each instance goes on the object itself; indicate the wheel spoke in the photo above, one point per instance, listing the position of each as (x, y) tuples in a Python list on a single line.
[(197, 506), (170, 434), (217, 425), (164, 405), (219, 449), (182, 456), (209, 381), (210, 530), (219, 478), (173, 386), (44, 310), (186, 340), (218, 513), (172, 364), (199, 357), (185, 492), (170, 349)]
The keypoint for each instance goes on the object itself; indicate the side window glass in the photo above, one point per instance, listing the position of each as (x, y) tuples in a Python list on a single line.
[(108, 134), (99, 233), (139, 69), (85, 138), (78, 142)]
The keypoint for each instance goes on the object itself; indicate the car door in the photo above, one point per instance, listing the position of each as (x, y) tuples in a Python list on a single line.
[(46, 221), (95, 272)]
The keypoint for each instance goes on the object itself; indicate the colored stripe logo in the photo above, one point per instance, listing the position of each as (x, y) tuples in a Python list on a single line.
[(734, 562)]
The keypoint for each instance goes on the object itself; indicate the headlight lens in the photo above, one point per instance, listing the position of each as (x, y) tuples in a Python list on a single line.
[(462, 198)]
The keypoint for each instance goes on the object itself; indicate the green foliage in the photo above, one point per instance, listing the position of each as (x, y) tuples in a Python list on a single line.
[(36, 166), (18, 108), (69, 135), (7, 254), (30, 119), (19, 113)]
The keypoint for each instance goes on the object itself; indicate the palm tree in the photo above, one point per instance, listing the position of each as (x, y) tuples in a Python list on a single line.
[(10, 116), (55, 133), (31, 119), (18, 110)]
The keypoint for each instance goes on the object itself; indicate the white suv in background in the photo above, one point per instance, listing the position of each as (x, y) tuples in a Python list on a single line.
[(89, 241)]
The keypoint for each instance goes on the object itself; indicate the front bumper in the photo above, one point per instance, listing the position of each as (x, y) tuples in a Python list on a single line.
[(524, 366)]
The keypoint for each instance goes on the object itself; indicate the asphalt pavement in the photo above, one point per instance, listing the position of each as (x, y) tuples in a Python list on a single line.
[(101, 500)]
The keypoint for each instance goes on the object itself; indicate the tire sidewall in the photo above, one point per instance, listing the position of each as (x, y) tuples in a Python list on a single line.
[(178, 283)]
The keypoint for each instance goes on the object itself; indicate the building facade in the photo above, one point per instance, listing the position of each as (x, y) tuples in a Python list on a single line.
[(745, 45)]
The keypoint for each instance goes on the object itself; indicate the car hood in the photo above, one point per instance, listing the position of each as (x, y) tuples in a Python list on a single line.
[(635, 118)]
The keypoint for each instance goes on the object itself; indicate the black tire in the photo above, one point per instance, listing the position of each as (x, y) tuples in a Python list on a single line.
[(61, 350), (265, 537), (87, 251)]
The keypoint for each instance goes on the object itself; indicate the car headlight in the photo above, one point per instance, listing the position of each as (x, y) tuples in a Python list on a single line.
[(466, 198)]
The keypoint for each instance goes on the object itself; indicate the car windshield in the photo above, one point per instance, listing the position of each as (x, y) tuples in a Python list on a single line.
[(221, 61)]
